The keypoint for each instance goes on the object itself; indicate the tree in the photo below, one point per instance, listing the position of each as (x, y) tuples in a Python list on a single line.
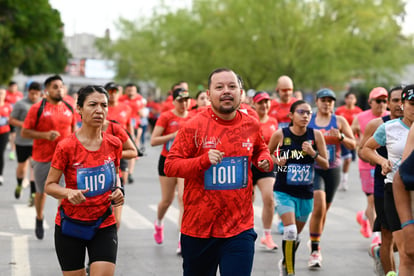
[(31, 38), (316, 42)]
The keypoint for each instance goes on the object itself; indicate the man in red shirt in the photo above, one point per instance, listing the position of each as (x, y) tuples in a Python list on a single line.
[(120, 112), (136, 102), (213, 151), (281, 109), (349, 111), (12, 96), (54, 123)]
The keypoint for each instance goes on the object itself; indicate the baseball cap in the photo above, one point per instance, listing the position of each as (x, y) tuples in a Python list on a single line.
[(325, 92), (408, 92), (378, 92), (260, 95), (111, 86), (180, 93)]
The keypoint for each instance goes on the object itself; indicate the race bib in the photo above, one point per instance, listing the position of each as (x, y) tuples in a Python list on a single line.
[(300, 174), (98, 180), (331, 153), (4, 121), (168, 145), (230, 174)]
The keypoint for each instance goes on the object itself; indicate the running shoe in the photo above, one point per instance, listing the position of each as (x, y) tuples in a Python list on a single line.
[(178, 251), (315, 260), (31, 200), (267, 242), (374, 252), (130, 179), (159, 233), (392, 273), (365, 230), (39, 231), (376, 240), (1, 180), (17, 191), (12, 156)]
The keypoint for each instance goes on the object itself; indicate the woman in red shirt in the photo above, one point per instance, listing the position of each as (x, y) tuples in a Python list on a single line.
[(5, 110)]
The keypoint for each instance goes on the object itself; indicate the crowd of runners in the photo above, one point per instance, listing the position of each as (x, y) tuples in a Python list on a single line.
[(81, 148)]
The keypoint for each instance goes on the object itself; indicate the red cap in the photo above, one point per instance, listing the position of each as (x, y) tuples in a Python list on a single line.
[(378, 92), (261, 95)]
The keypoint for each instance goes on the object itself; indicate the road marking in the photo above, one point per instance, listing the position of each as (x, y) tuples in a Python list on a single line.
[(134, 220), (20, 256), (26, 217)]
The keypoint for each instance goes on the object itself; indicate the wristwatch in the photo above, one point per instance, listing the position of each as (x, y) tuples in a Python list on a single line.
[(342, 137), (118, 187)]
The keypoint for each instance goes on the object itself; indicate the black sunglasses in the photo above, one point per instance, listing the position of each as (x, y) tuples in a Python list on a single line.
[(378, 101)]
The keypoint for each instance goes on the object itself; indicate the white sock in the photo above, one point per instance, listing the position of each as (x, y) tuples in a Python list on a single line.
[(364, 217), (159, 222), (267, 232), (345, 177)]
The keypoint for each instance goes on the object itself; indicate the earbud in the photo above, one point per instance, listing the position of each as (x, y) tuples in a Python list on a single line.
[(402, 107)]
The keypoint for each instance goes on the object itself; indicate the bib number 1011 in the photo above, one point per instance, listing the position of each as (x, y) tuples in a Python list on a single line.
[(223, 175)]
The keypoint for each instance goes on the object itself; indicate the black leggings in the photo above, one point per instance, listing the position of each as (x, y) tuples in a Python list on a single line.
[(4, 139)]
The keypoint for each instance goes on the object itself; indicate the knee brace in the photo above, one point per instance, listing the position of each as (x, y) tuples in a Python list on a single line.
[(290, 232)]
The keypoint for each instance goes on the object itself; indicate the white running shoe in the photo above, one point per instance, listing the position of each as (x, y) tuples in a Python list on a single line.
[(315, 260)]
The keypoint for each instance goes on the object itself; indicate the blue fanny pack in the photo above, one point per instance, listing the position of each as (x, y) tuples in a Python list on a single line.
[(406, 172), (84, 230)]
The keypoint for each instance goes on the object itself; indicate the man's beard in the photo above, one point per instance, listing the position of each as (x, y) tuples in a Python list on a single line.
[(57, 98)]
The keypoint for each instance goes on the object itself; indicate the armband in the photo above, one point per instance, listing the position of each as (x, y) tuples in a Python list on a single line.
[(316, 155), (118, 187), (408, 222)]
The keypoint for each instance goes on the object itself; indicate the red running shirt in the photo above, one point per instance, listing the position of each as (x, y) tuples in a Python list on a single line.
[(171, 123), (268, 128), (348, 114), (5, 111), (12, 98), (217, 199), (54, 117), (136, 104), (93, 169), (280, 111), (120, 113)]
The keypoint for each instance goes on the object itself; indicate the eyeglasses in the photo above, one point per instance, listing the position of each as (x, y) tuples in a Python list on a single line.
[(303, 112), (378, 101)]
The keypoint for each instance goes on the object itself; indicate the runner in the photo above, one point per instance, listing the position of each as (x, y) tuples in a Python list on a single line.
[(89, 159), (12, 96), (213, 152), (47, 123), (381, 248), (202, 101), (296, 148), (377, 101), (280, 110), (5, 110), (336, 131), (265, 180), (164, 134), (393, 135), (24, 146), (349, 110)]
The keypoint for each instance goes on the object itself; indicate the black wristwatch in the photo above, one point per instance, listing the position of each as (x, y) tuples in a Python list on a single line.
[(118, 187), (342, 137)]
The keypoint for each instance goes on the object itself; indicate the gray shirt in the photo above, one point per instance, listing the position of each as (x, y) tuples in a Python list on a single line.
[(19, 112)]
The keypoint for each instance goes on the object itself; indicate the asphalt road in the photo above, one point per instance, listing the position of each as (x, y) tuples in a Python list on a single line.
[(344, 250)]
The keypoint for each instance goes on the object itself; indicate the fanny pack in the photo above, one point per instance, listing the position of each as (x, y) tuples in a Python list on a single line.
[(406, 172), (84, 230)]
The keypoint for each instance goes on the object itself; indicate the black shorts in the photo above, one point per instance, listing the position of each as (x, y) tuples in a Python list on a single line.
[(71, 251), (161, 163), (380, 221), (23, 153), (258, 174), (12, 129), (123, 165), (330, 178), (390, 211)]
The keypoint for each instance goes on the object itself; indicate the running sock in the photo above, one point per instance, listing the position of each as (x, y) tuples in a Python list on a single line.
[(159, 222), (364, 216), (289, 247), (32, 187), (345, 177), (315, 240), (19, 181), (267, 232)]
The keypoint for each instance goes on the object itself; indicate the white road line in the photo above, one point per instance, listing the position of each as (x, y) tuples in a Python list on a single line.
[(134, 220), (26, 217), (20, 256), (171, 215)]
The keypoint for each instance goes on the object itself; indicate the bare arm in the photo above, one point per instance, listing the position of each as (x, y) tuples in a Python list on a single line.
[(15, 122), (158, 139), (321, 159), (128, 150), (349, 140), (370, 129), (34, 134)]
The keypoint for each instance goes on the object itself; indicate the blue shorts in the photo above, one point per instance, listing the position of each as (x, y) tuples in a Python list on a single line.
[(286, 203), (234, 255)]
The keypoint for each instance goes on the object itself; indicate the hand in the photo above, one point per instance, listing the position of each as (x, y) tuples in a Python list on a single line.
[(386, 167), (307, 147), (215, 156), (52, 135), (76, 196), (264, 165), (334, 132), (116, 197)]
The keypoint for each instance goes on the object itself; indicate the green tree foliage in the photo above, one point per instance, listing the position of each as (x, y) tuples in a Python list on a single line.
[(316, 42), (31, 38)]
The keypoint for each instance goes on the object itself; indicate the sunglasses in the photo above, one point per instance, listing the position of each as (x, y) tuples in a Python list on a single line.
[(303, 112), (285, 89), (378, 101)]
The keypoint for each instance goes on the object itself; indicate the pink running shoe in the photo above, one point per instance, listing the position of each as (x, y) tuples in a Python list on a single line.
[(376, 240), (159, 233), (359, 217), (268, 243), (366, 229)]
